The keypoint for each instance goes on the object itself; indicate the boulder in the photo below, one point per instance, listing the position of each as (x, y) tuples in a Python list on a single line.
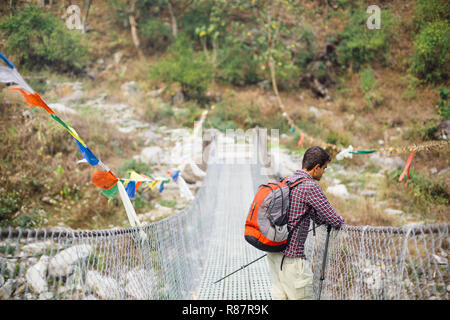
[(36, 275), (130, 87), (368, 193), (178, 99), (151, 155), (150, 136), (339, 190), (282, 163), (46, 296), (64, 262), (7, 289), (392, 212), (62, 108), (315, 111), (443, 130), (105, 287), (192, 173), (140, 284), (37, 247), (387, 163)]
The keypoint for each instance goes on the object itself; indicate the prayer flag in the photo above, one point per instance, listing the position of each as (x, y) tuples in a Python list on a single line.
[(111, 193), (87, 154), (131, 189), (103, 179), (34, 100), (407, 168)]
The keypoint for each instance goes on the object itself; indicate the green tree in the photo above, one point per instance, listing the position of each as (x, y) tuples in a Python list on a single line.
[(185, 66), (39, 39), (359, 45), (431, 60)]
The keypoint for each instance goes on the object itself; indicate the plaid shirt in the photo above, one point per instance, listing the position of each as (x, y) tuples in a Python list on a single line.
[(307, 194)]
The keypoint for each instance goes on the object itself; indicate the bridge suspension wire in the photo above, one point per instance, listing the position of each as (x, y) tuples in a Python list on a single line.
[(182, 255)]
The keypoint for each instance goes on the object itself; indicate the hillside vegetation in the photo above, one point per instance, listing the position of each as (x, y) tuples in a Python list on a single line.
[(339, 81)]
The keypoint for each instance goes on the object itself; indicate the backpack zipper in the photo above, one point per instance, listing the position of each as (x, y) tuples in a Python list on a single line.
[(253, 210)]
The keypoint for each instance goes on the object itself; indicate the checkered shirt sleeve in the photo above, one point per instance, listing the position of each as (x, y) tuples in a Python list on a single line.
[(307, 194)]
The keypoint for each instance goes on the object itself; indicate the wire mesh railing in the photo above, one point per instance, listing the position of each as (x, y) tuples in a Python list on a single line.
[(382, 263)]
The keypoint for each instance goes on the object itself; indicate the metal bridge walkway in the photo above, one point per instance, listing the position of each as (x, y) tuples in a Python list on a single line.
[(227, 250)]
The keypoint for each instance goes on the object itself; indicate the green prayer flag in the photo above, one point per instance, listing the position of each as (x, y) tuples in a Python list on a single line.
[(112, 192), (363, 151), (55, 117)]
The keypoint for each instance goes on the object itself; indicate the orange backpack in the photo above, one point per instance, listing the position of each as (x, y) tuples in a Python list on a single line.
[(266, 226)]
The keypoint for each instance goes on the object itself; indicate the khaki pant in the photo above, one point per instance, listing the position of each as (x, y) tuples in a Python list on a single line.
[(294, 282)]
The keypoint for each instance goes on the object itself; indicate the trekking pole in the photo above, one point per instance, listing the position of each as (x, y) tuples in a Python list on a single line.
[(245, 266), (322, 275)]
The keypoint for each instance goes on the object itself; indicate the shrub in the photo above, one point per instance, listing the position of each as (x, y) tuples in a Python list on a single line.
[(424, 190), (159, 111), (431, 60), (424, 131), (368, 83), (337, 138), (305, 52), (155, 34), (10, 203), (239, 66), (185, 66), (359, 45), (431, 10), (38, 39), (133, 164), (444, 104)]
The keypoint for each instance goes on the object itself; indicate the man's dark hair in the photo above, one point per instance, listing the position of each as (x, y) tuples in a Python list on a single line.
[(315, 155)]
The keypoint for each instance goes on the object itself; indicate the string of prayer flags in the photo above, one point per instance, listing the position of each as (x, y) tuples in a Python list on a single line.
[(407, 169), (105, 180)]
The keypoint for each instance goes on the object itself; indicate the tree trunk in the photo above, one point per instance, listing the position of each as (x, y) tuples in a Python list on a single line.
[(86, 15), (134, 34), (173, 20), (271, 39)]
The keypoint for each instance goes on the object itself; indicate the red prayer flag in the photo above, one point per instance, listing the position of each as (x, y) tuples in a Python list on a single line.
[(103, 179), (407, 168), (34, 100), (300, 141)]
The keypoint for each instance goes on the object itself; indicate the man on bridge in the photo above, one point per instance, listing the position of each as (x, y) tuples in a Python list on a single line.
[(290, 273)]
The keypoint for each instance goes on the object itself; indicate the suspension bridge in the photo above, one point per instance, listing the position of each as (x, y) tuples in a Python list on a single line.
[(182, 256)]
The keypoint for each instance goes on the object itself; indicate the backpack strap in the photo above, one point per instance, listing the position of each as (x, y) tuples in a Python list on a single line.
[(292, 232), (298, 181), (291, 186)]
